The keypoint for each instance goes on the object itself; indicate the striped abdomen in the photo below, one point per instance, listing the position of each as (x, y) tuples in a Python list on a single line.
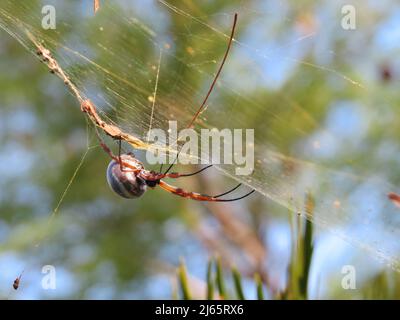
[(125, 183)]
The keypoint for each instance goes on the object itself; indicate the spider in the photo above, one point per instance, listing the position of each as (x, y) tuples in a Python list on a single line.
[(127, 176)]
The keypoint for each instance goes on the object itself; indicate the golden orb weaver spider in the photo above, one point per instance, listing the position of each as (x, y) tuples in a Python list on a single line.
[(127, 176)]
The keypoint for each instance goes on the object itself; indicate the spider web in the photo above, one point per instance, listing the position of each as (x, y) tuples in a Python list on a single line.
[(119, 57)]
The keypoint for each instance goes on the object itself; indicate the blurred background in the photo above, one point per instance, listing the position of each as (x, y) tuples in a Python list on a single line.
[(322, 99)]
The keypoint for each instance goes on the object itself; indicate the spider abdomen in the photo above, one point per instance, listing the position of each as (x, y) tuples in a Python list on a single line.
[(125, 182)]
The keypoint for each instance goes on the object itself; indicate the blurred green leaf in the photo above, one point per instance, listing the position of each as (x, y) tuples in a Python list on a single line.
[(220, 279), (183, 281), (237, 279), (210, 280), (259, 286)]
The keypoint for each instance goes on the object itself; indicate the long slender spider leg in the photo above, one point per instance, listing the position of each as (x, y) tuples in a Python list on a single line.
[(197, 196), (161, 166), (227, 192), (211, 87), (105, 147), (113, 156), (121, 167), (175, 175), (239, 198), (154, 176), (191, 174), (172, 164), (218, 72)]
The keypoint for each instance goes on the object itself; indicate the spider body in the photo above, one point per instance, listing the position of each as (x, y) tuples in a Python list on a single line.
[(127, 176), (126, 182)]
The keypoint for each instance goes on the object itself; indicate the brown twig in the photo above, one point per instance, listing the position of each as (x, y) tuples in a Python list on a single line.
[(87, 106), (96, 4)]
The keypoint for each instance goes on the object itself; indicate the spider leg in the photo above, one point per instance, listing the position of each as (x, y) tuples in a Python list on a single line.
[(239, 198), (197, 196), (114, 157), (175, 175), (105, 147), (196, 172), (119, 156), (154, 176), (122, 167), (199, 110), (227, 192)]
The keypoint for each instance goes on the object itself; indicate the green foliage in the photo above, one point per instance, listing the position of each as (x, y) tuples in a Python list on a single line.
[(259, 284), (299, 268), (215, 277), (183, 281), (302, 250), (237, 279), (220, 280), (210, 280)]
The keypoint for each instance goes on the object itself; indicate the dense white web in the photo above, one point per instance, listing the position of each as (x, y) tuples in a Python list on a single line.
[(127, 61)]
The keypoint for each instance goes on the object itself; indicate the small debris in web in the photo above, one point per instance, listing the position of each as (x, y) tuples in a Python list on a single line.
[(16, 282), (395, 198)]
